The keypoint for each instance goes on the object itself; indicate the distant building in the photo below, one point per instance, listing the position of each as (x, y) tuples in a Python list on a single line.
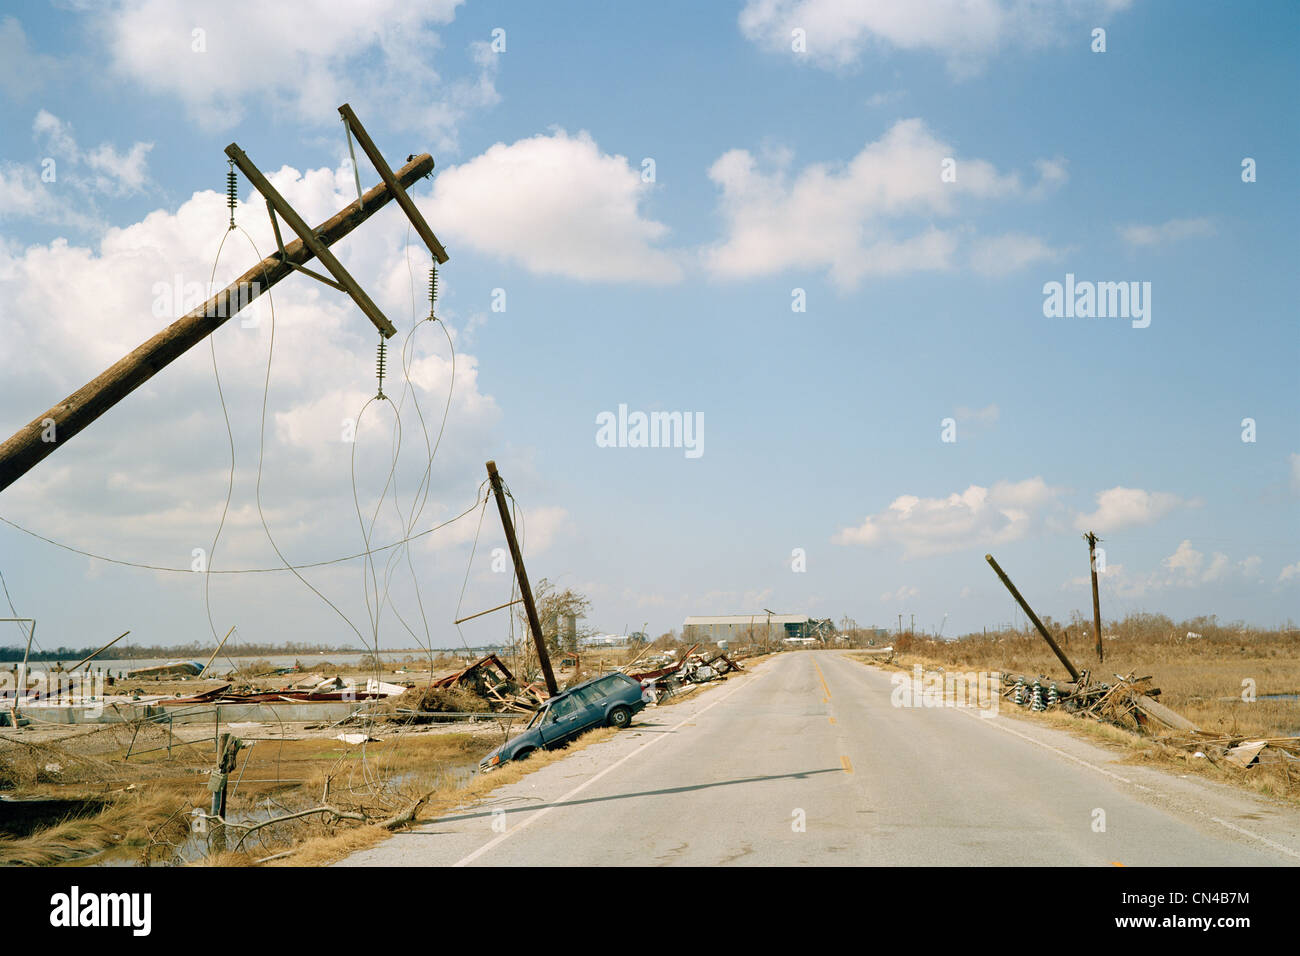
[(605, 640), (744, 627)]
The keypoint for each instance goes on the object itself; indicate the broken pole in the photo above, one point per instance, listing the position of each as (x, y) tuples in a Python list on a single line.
[(98, 652), (1092, 540), (216, 652), (525, 590), (39, 438), (1074, 674)]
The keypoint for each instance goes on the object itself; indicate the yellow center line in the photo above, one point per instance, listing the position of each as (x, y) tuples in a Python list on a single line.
[(831, 719), (822, 678), (848, 764)]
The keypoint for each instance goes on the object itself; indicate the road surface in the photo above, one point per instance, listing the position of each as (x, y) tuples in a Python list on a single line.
[(805, 761)]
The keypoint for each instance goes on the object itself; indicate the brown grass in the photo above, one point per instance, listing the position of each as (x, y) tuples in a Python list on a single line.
[(327, 848), (133, 820), (1200, 678)]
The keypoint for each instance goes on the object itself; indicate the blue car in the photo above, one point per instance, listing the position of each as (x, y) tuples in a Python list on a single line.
[(609, 700)]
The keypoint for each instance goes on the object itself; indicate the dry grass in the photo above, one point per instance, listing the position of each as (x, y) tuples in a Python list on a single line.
[(1203, 679), (133, 820), (329, 847)]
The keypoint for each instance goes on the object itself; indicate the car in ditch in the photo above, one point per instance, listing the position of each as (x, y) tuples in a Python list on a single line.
[(610, 700)]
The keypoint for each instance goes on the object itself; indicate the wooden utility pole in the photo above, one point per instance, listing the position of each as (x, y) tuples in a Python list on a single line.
[(1092, 540), (1060, 654), (49, 431), (525, 589)]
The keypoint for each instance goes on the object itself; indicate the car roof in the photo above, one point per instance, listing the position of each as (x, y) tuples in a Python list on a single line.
[(565, 693)]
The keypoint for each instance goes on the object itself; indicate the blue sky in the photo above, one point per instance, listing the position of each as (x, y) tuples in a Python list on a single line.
[(774, 170)]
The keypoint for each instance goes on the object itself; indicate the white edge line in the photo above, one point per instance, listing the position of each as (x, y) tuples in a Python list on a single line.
[(1223, 823), (465, 861)]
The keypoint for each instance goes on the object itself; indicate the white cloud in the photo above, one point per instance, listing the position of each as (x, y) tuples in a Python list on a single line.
[(558, 205), (965, 33), (1185, 568), (62, 189), (1002, 255), (147, 480), (304, 58), (111, 172), (1290, 573), (1295, 470), (1126, 507), (976, 517), (852, 219), (24, 196), (1166, 232), (899, 596)]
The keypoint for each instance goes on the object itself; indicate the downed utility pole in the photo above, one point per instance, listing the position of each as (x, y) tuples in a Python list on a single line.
[(1074, 674), (91, 657), (1092, 540), (33, 442), (525, 590)]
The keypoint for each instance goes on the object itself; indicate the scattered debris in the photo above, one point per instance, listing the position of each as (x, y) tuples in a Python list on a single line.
[(356, 738)]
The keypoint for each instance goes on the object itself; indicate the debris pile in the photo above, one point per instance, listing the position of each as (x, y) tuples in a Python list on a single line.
[(691, 668)]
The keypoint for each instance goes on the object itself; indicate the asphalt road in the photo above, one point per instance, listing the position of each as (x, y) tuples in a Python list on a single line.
[(805, 761)]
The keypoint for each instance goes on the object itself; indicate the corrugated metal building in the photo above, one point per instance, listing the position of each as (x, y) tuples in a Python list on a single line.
[(740, 627)]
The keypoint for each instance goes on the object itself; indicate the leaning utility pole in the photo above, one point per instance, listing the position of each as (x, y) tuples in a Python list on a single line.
[(525, 590), (47, 432), (1092, 540), (1051, 642)]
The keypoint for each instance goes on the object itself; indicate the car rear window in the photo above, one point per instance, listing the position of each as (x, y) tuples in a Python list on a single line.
[(590, 695), (612, 684)]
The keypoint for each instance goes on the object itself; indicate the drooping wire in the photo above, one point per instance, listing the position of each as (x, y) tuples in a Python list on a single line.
[(225, 413), (26, 626)]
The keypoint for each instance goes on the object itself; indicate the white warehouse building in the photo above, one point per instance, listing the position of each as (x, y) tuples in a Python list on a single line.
[(739, 628)]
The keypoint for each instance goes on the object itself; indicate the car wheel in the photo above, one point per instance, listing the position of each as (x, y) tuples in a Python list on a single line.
[(620, 717), (525, 753)]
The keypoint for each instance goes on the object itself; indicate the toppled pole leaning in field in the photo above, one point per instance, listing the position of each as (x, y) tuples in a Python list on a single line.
[(1029, 611), (34, 441)]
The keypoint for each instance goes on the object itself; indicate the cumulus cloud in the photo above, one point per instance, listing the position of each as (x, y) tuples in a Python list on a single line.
[(1128, 507), (1184, 568), (102, 168), (304, 58), (557, 205), (977, 517), (147, 481), (966, 34), (899, 596), (64, 188), (874, 215), (1002, 255), (1166, 232)]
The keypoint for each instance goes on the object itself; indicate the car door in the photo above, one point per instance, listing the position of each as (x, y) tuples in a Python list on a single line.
[(563, 720), (593, 699)]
